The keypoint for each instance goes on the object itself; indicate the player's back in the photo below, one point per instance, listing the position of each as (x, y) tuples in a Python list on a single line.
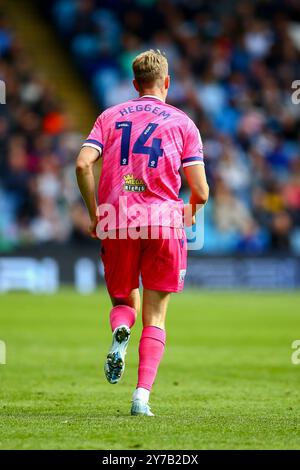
[(144, 142)]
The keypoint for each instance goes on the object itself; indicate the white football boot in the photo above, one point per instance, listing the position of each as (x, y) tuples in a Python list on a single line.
[(115, 362)]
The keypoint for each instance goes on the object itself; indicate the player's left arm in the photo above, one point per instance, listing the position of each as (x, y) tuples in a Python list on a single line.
[(85, 166), (194, 170)]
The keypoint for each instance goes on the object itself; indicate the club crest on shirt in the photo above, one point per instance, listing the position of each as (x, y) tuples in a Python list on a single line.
[(133, 184)]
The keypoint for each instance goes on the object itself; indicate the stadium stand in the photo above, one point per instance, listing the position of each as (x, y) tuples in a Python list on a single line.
[(232, 74), (39, 200)]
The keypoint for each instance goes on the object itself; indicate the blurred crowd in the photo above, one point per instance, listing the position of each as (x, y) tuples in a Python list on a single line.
[(39, 200), (232, 65)]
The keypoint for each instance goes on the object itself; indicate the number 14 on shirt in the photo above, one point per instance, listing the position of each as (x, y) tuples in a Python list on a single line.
[(154, 151)]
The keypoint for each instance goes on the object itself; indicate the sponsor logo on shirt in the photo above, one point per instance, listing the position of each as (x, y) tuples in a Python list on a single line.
[(133, 184)]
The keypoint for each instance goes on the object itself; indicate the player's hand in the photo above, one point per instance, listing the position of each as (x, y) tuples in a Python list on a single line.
[(92, 230), (189, 218)]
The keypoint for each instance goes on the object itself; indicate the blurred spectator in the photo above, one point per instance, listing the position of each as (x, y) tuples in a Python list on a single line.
[(230, 212), (280, 231)]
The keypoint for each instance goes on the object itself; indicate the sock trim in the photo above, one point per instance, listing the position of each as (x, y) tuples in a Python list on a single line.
[(150, 334), (122, 315)]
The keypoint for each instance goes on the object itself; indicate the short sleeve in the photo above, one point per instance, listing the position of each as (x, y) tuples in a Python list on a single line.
[(95, 138), (192, 149)]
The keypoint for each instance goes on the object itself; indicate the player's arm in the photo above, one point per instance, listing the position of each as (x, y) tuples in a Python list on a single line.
[(196, 180), (194, 170), (85, 165)]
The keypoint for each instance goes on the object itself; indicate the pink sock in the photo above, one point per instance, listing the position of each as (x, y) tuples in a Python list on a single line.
[(152, 346), (122, 315)]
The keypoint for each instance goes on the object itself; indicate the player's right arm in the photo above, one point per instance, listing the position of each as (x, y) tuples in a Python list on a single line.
[(86, 160), (87, 168)]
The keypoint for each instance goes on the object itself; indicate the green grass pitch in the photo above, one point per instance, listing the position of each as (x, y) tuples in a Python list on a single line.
[(226, 380)]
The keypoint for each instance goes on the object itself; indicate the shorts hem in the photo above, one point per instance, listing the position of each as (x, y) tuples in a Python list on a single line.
[(163, 289), (121, 296)]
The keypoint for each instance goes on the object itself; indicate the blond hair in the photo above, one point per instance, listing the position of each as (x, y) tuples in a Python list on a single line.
[(150, 67)]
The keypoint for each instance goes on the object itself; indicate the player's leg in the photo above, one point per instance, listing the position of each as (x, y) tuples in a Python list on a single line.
[(124, 310), (122, 318), (155, 306), (132, 300), (163, 266), (121, 266), (151, 348)]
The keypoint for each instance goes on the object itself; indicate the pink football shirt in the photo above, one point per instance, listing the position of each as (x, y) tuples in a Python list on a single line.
[(143, 143)]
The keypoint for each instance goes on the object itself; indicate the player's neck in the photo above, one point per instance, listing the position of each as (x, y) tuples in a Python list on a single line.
[(153, 93)]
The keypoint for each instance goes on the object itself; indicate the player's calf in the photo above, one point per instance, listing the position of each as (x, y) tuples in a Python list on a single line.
[(152, 345)]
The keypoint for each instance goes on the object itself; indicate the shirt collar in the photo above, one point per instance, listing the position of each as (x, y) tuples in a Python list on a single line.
[(152, 96)]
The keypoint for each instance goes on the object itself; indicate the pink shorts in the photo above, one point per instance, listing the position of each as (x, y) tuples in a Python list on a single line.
[(161, 262)]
